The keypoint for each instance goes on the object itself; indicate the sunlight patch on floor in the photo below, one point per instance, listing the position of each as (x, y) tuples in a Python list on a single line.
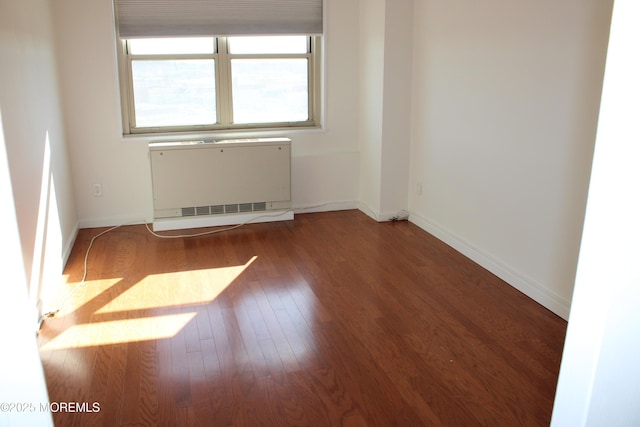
[(73, 295), (120, 331), (183, 288)]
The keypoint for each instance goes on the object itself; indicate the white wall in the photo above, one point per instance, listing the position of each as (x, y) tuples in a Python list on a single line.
[(599, 382), (38, 218), (324, 165), (371, 52), (385, 53), (21, 373), (396, 115), (505, 105), (35, 144)]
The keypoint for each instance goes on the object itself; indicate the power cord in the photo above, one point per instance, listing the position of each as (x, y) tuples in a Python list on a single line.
[(52, 313), (402, 215), (61, 305)]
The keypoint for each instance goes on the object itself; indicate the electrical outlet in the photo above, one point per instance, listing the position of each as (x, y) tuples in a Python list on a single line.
[(97, 190), (419, 188)]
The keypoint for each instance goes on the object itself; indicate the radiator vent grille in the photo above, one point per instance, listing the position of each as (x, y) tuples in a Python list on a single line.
[(231, 208), (224, 209)]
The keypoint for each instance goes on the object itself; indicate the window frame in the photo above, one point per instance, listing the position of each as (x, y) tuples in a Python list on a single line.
[(223, 84)]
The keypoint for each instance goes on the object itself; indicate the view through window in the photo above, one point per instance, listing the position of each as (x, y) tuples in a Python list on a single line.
[(220, 82)]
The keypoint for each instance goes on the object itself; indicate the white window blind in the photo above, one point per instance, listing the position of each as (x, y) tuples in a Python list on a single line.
[(167, 18)]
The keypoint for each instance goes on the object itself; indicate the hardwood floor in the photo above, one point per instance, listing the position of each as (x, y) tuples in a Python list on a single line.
[(328, 320)]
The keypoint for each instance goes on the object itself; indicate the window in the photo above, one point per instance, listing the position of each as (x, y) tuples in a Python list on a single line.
[(214, 83)]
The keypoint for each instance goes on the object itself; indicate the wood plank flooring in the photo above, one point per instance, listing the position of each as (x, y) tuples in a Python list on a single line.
[(328, 320)]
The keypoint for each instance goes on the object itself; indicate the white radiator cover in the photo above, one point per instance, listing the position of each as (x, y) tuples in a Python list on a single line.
[(215, 179)]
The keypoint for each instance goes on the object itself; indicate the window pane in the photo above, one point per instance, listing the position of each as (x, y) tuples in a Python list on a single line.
[(268, 44), (269, 90), (174, 92), (183, 45)]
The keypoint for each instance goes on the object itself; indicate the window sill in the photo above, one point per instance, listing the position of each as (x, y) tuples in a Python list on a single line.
[(222, 134)]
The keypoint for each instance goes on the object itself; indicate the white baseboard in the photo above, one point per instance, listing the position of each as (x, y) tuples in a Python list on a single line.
[(142, 218), (326, 207), (521, 282), (382, 216), (68, 245), (220, 220), (113, 221)]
